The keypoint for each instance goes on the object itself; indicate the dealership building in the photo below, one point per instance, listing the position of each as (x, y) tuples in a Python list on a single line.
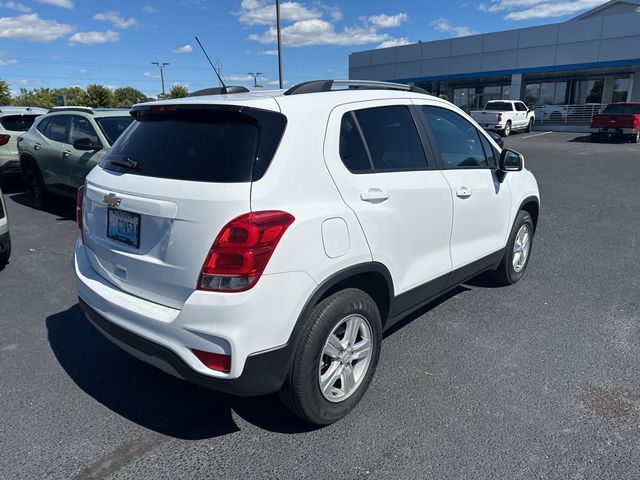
[(592, 59)]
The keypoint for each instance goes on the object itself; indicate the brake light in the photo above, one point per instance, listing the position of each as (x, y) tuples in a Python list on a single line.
[(241, 251), (79, 205), (499, 117), (214, 361), (4, 139)]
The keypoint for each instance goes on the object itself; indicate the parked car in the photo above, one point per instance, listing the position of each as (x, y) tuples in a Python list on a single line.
[(14, 121), (256, 242), (504, 116), (617, 120), (5, 238), (62, 146)]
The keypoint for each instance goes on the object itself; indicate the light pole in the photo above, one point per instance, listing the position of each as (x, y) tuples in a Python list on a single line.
[(255, 79), (161, 66), (279, 43)]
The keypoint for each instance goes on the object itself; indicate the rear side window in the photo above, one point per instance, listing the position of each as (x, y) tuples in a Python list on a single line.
[(352, 150), (56, 129), (18, 123), (198, 144), (42, 125), (391, 138)]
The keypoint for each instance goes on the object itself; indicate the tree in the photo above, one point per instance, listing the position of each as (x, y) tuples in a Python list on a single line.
[(5, 93), (99, 96), (73, 95), (178, 91), (127, 96), (36, 97)]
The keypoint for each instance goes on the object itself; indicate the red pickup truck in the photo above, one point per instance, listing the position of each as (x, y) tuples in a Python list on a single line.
[(617, 120)]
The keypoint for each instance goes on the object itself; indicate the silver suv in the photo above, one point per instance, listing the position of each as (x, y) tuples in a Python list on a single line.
[(14, 121), (62, 147)]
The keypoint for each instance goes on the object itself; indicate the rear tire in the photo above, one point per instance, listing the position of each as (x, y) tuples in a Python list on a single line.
[(507, 129), (35, 185), (518, 251), (636, 137), (5, 255), (595, 137), (336, 358)]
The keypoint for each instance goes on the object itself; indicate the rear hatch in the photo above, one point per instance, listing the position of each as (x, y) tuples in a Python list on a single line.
[(15, 126), (174, 178)]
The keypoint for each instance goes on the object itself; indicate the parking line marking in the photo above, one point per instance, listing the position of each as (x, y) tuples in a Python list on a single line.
[(537, 135)]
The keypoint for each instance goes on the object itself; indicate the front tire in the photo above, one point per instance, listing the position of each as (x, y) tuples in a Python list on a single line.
[(529, 126), (595, 137), (507, 129), (336, 358), (518, 251)]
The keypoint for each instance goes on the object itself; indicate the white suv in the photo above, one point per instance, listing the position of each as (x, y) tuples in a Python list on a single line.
[(256, 242)]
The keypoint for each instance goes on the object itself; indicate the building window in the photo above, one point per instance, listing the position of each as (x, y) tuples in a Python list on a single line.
[(532, 94), (548, 93), (587, 91), (621, 89)]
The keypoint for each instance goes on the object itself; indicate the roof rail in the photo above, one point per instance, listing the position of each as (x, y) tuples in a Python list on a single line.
[(218, 91), (72, 109), (315, 86)]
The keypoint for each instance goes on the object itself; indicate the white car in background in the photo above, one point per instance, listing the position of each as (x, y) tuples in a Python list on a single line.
[(504, 116), (14, 122)]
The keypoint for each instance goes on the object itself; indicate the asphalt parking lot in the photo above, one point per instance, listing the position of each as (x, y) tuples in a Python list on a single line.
[(540, 380)]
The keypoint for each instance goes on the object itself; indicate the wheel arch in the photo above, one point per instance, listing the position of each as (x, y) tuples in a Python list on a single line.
[(531, 205)]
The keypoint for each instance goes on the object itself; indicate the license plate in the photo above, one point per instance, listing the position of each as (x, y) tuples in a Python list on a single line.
[(123, 226)]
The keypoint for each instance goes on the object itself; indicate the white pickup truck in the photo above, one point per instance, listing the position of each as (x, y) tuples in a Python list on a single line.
[(504, 116)]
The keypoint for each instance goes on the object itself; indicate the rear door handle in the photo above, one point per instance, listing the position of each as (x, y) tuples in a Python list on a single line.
[(463, 192), (374, 195), (37, 146), (66, 154)]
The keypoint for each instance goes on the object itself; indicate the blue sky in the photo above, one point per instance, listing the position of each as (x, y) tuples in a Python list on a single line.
[(55, 43)]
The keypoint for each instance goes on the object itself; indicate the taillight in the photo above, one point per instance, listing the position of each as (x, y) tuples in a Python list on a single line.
[(499, 117), (241, 251), (214, 361), (4, 139), (79, 204)]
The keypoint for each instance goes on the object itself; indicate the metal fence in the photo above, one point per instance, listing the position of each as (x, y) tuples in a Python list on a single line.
[(567, 114)]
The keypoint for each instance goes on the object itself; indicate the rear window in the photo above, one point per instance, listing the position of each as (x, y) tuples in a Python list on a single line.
[(18, 123), (622, 108), (502, 106), (112, 127), (221, 144)]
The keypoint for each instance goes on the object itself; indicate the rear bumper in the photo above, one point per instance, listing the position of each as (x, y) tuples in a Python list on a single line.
[(614, 131), (263, 373), (257, 328)]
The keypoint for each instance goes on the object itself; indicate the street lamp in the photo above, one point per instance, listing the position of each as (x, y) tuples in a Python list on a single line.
[(161, 66), (255, 77)]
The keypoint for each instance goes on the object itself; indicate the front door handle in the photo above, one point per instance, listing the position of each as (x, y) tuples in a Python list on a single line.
[(66, 154), (463, 192), (374, 195), (37, 146)]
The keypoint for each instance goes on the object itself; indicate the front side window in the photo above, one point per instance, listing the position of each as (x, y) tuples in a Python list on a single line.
[(456, 138), (81, 129), (521, 107), (392, 138), (56, 129)]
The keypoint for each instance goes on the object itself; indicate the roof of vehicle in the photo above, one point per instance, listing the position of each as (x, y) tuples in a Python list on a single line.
[(19, 110), (96, 112), (275, 99)]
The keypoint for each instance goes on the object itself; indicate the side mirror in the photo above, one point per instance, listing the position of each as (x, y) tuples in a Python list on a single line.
[(510, 161), (85, 144)]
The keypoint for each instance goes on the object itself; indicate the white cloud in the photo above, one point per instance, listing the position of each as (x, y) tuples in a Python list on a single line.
[(18, 7), (116, 19), (443, 25), (58, 3), (184, 49), (269, 52), (394, 42), (82, 71), (238, 78), (276, 83), (386, 21), (553, 9), (5, 61), (92, 38), (32, 28), (320, 32), (263, 12), (149, 9), (151, 75)]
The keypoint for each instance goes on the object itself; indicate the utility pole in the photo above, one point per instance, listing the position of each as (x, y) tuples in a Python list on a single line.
[(161, 66), (255, 79), (279, 44)]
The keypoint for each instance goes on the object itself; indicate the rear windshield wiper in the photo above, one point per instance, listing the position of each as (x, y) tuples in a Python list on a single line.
[(125, 162)]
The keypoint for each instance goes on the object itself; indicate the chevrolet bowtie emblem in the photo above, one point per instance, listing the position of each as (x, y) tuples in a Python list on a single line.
[(111, 200)]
